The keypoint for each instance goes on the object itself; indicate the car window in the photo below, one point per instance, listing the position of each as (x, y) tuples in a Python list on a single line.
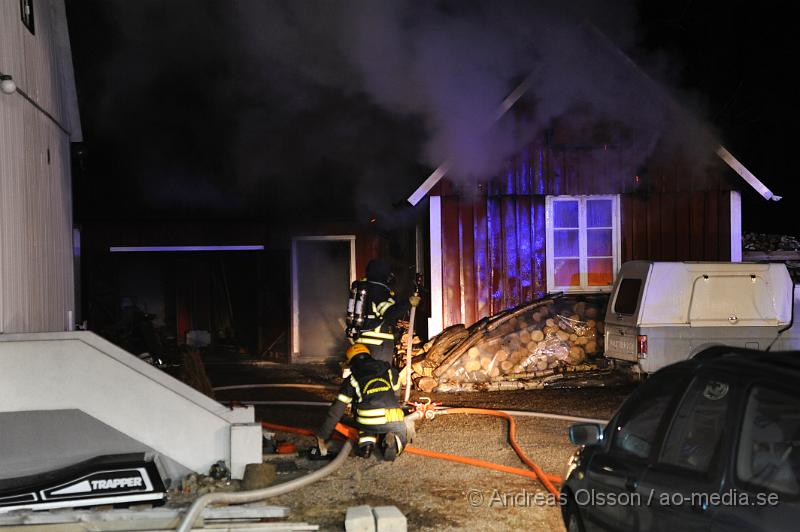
[(627, 296), (696, 431), (638, 427), (769, 445)]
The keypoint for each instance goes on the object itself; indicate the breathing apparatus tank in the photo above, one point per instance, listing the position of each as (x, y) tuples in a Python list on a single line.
[(356, 308)]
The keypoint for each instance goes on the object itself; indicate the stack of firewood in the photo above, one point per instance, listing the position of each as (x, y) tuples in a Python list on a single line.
[(530, 342)]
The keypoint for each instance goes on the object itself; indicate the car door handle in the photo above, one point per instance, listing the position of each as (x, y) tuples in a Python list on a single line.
[(632, 484)]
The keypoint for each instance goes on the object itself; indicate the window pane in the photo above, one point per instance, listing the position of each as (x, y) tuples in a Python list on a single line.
[(637, 431), (567, 272), (565, 213), (598, 213), (697, 428), (627, 296), (598, 242), (565, 243), (769, 449), (601, 272)]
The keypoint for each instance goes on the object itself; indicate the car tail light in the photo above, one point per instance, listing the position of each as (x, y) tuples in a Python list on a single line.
[(641, 345)]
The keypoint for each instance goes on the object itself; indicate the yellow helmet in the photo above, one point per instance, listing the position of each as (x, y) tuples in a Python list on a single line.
[(355, 350)]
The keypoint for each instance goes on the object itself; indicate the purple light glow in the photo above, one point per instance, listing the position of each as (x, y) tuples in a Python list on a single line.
[(150, 249)]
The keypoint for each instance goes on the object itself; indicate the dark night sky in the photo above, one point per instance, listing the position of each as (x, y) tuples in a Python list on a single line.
[(263, 110)]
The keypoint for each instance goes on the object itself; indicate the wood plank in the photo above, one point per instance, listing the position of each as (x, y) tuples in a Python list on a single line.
[(524, 172), (626, 226), (601, 178), (524, 244), (467, 260), (653, 216), (697, 226), (495, 266), (668, 220), (451, 262), (555, 174), (510, 264), (724, 224), (711, 249), (537, 162), (508, 179), (683, 226), (639, 225), (481, 261), (572, 182), (539, 245)]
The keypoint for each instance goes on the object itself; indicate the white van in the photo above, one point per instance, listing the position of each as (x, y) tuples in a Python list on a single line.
[(664, 312)]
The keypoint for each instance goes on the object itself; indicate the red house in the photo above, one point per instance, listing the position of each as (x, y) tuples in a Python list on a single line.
[(566, 213)]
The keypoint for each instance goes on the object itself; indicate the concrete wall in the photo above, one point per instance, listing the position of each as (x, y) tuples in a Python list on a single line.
[(37, 124)]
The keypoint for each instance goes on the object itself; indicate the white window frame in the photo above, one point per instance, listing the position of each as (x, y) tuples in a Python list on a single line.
[(616, 245)]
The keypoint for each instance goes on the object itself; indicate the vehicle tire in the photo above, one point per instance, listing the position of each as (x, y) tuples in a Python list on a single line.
[(572, 519)]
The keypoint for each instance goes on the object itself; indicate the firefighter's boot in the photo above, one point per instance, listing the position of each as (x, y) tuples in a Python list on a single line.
[(365, 449)]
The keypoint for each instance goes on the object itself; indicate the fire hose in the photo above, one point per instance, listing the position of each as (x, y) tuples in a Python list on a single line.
[(424, 410), (535, 472), (242, 497), (515, 413)]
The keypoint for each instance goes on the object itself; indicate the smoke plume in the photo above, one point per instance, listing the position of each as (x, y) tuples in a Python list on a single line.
[(275, 108)]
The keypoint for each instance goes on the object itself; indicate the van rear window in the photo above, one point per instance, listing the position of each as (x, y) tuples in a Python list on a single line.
[(627, 296)]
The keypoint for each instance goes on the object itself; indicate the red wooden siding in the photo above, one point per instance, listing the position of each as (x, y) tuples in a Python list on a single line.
[(492, 254), (685, 226), (493, 245)]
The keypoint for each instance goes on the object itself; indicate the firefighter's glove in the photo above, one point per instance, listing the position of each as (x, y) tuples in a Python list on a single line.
[(414, 300)]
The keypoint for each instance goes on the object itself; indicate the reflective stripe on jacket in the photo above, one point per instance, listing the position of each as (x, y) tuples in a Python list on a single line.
[(371, 390)]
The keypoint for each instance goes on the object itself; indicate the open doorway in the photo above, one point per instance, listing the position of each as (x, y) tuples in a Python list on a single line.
[(322, 269)]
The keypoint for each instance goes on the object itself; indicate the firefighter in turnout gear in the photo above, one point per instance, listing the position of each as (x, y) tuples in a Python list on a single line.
[(373, 312), (370, 390)]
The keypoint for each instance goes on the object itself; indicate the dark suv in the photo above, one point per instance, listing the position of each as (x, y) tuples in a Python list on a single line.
[(712, 443)]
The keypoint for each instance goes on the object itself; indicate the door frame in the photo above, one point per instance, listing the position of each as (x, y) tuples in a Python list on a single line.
[(294, 352)]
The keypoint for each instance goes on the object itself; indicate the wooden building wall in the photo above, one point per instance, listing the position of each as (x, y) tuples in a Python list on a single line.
[(494, 239), (36, 257)]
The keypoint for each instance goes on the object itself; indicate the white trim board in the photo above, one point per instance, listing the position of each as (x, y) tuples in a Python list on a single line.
[(736, 226), (436, 321), (746, 174)]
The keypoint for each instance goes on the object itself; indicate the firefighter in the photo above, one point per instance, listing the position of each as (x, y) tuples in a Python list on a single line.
[(380, 312), (370, 390)]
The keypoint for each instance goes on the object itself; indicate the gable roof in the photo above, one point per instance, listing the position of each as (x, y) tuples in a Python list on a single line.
[(659, 91)]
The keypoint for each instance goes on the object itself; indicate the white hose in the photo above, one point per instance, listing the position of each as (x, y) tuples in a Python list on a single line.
[(255, 386), (526, 413), (242, 497), (283, 403), (520, 413)]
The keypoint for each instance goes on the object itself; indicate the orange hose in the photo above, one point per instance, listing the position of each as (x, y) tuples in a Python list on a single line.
[(548, 480), (285, 428), (512, 438), (343, 430), (479, 463)]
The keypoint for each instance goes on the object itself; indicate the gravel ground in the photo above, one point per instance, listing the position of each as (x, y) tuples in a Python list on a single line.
[(433, 494)]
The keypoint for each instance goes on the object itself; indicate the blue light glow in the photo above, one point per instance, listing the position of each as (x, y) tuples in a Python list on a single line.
[(150, 249)]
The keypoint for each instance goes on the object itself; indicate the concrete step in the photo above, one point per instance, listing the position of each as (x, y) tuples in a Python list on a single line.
[(66, 397)]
